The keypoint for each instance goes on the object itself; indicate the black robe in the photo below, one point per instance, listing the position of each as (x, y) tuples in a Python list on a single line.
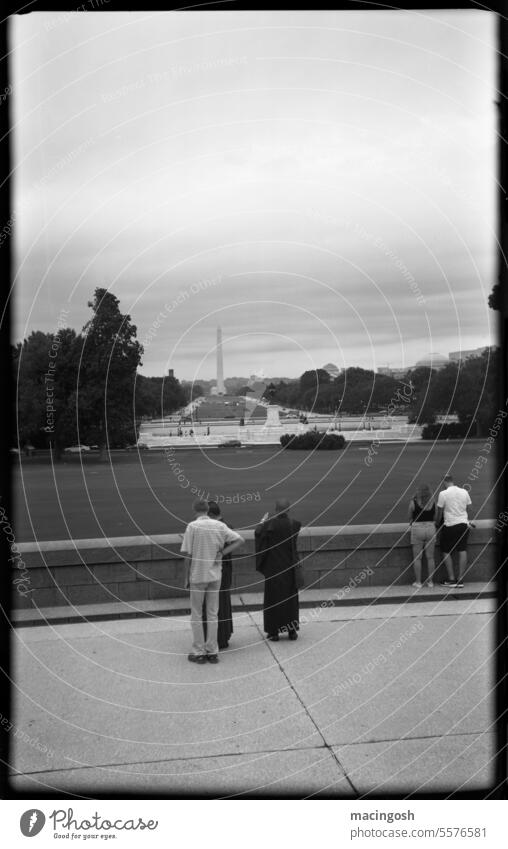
[(276, 557), (225, 614)]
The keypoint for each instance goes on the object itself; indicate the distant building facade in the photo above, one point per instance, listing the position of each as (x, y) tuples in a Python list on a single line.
[(396, 373), (459, 356), (332, 370)]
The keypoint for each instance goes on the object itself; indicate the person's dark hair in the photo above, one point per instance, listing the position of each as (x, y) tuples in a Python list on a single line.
[(424, 496), (200, 506), (282, 505), (448, 478), (213, 508)]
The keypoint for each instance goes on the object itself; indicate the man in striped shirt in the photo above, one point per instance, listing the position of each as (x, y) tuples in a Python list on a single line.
[(204, 544)]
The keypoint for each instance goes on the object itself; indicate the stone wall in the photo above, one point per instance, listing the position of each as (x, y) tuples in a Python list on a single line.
[(142, 568)]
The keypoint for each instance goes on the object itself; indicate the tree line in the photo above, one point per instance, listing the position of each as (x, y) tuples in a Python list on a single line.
[(467, 390), (84, 388)]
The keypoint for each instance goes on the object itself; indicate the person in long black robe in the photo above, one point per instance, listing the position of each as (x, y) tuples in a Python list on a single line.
[(276, 557), (225, 614)]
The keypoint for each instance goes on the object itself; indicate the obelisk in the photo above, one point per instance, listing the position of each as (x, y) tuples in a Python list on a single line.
[(220, 365)]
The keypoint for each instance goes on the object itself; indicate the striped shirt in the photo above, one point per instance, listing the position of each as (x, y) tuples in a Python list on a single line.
[(203, 541)]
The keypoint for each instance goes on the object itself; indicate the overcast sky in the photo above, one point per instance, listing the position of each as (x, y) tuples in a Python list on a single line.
[(332, 175)]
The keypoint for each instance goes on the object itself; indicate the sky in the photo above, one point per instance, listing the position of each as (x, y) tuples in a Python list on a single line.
[(322, 185)]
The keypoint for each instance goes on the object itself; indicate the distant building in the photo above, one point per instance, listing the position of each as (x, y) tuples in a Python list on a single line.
[(397, 373), (332, 370), (433, 360), (171, 372), (458, 356)]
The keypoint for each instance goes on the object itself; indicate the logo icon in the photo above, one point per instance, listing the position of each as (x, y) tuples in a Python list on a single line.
[(32, 822)]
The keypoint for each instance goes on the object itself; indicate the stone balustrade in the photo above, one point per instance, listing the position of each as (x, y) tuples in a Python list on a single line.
[(75, 572)]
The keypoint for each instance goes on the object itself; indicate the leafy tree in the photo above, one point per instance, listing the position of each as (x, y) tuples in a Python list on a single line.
[(46, 368), (30, 361), (110, 357), (423, 406), (193, 391), (313, 379), (475, 397), (496, 297)]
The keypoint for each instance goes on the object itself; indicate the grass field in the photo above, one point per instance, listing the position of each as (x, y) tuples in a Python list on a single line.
[(142, 494)]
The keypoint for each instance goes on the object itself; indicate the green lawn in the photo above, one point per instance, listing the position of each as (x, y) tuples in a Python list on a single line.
[(142, 494)]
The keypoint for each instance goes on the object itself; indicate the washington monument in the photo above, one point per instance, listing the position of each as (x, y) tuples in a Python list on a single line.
[(220, 365)]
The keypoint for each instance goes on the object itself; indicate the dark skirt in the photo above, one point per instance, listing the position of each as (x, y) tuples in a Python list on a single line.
[(280, 606), (225, 615)]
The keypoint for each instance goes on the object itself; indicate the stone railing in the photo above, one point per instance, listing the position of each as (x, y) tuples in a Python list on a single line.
[(141, 568)]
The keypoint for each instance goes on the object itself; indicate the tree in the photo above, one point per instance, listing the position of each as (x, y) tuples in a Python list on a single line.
[(423, 406), (475, 400), (110, 357), (46, 368), (495, 297), (313, 379), (30, 361)]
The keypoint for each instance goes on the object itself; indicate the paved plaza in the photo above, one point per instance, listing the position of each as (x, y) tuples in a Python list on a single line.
[(372, 699)]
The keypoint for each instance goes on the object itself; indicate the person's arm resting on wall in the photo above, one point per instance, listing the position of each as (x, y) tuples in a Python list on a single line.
[(439, 509), (410, 511), (233, 541)]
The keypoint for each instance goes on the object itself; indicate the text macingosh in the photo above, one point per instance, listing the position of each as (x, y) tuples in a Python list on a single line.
[(66, 820)]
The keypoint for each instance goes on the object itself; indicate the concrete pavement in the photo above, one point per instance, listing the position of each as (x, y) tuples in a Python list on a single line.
[(372, 699)]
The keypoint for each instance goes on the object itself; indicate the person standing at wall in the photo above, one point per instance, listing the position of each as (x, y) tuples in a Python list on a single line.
[(453, 504), (276, 559), (206, 541)]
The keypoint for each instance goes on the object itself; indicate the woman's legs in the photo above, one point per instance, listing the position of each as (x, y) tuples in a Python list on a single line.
[(429, 547), (417, 544)]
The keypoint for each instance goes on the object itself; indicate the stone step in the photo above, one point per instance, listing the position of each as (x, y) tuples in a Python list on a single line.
[(67, 614)]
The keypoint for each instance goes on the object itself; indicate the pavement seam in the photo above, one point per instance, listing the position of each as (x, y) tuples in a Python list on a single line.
[(245, 754), (281, 668), (177, 758)]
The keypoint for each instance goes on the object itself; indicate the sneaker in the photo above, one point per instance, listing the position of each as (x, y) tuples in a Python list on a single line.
[(430, 584), (196, 658), (448, 583), (293, 635), (274, 638), (212, 658), (417, 585), (459, 584)]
